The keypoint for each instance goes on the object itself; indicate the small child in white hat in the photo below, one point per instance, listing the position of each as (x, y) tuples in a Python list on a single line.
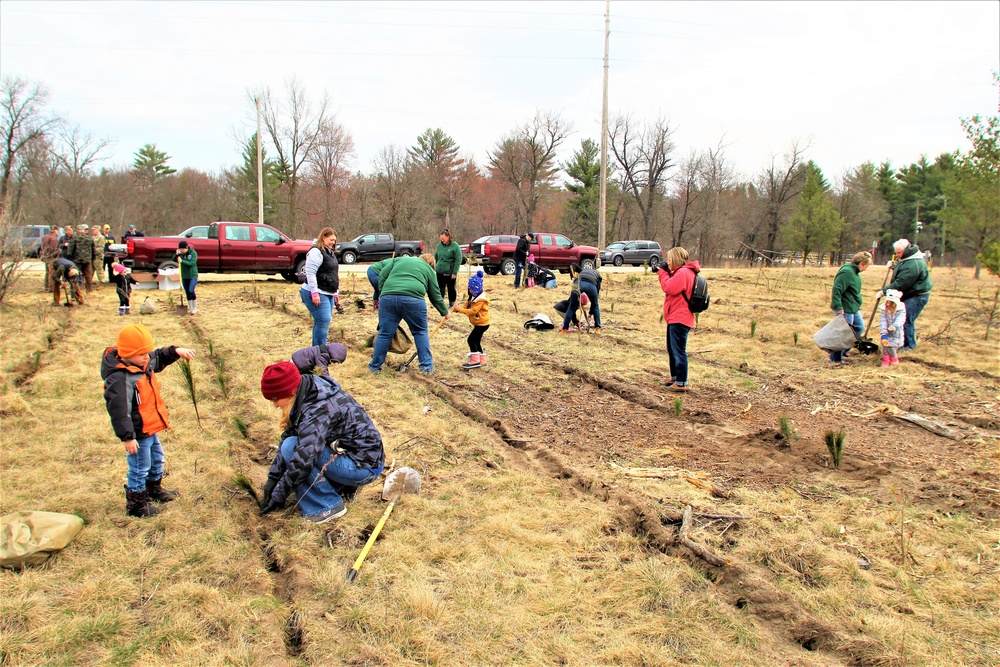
[(890, 325)]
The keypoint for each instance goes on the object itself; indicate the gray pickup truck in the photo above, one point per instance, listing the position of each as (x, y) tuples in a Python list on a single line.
[(373, 247)]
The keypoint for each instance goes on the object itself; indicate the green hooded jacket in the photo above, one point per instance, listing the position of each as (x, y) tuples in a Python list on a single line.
[(847, 289), (911, 276)]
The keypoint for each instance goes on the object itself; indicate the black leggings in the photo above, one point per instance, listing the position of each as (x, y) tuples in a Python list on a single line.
[(476, 338), (123, 296), (446, 281)]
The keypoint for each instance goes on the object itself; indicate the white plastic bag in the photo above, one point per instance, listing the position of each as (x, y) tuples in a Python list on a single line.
[(836, 336)]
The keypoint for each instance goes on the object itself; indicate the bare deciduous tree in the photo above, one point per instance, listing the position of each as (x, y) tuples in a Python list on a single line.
[(718, 182), (526, 159), (295, 126), (778, 186), (329, 165), (644, 155), (22, 123), (393, 188), (685, 209)]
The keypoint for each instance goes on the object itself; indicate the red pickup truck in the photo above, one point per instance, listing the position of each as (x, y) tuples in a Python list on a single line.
[(551, 251), (231, 247)]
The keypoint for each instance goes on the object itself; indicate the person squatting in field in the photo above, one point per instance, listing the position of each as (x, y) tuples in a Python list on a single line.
[(677, 279), (477, 307), (329, 445), (585, 283), (138, 412), (845, 300)]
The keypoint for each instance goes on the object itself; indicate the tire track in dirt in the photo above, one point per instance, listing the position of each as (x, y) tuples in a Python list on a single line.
[(745, 585)]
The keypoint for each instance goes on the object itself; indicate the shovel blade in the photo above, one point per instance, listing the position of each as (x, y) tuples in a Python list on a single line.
[(399, 482)]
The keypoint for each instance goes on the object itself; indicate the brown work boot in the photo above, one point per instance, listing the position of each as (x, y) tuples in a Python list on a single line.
[(156, 492), (137, 504)]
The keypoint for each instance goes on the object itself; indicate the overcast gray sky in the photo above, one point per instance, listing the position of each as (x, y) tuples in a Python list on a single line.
[(854, 81)]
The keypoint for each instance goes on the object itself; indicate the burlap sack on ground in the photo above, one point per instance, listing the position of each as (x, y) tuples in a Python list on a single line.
[(836, 336), (401, 342), (29, 538)]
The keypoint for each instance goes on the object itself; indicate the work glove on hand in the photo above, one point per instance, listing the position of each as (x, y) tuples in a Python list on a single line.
[(270, 506), (879, 294), (885, 342), (265, 496)]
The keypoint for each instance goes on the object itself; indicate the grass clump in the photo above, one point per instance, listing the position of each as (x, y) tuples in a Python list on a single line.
[(678, 404), (787, 430), (241, 427), (753, 328)]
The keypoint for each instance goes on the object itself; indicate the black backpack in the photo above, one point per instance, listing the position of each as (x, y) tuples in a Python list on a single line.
[(699, 299)]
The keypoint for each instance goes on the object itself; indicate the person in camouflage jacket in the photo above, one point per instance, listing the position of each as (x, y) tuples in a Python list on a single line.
[(83, 252), (329, 447)]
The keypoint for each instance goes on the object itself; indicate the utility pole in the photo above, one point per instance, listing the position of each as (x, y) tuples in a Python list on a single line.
[(943, 209), (260, 170), (602, 214)]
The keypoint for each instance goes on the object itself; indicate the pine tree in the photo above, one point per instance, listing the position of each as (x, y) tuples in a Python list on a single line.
[(150, 164), (243, 182), (581, 215), (815, 223)]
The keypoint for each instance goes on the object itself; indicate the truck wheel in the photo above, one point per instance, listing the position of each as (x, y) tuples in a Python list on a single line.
[(491, 270), (618, 260), (586, 263), (406, 252), (348, 257), (166, 265), (507, 266), (300, 272)]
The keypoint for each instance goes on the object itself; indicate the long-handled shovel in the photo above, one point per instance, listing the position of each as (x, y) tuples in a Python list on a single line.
[(182, 309), (397, 484), (864, 337), (402, 369)]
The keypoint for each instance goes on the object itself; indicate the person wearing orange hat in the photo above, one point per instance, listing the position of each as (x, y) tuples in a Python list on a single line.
[(138, 413), (330, 446)]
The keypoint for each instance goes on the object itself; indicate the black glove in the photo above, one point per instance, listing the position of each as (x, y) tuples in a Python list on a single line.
[(265, 496), (270, 506), (654, 267)]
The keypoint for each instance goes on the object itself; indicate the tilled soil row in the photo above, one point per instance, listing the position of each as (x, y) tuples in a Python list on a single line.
[(746, 586)]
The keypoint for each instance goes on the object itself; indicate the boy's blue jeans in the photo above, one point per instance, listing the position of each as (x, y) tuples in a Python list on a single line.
[(320, 491), (147, 462), (321, 315)]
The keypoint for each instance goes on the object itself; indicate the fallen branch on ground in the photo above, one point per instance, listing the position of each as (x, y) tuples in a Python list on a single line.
[(930, 425), (716, 491), (702, 552)]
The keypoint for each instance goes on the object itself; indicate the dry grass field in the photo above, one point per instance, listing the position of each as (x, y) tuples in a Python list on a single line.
[(548, 528)]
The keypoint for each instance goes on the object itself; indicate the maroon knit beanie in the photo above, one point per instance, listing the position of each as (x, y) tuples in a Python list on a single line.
[(280, 380)]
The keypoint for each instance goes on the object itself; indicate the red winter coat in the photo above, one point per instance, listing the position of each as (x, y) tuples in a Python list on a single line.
[(675, 307)]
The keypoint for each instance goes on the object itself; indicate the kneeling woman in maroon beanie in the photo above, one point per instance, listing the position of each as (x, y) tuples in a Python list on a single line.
[(329, 447)]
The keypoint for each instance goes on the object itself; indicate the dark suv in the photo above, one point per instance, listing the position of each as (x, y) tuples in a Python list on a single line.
[(552, 251), (635, 253)]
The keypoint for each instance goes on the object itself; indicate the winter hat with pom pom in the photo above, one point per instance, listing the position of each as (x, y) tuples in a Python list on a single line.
[(476, 284)]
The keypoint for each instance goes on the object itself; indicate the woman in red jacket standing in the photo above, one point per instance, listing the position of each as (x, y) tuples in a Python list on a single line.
[(677, 280)]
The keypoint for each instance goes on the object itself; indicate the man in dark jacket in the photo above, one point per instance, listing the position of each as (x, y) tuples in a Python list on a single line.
[(521, 251), (912, 278), (84, 253), (65, 272)]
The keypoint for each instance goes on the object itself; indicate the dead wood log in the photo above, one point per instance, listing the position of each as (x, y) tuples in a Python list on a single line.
[(930, 425), (716, 491), (702, 552)]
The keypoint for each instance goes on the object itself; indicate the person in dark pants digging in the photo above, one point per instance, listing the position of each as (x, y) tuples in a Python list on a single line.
[(521, 251)]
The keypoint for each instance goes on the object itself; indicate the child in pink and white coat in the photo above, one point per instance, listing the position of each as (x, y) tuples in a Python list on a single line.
[(890, 324)]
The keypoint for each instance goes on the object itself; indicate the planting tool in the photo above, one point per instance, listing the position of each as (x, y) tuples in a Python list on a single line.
[(406, 364), (397, 484), (864, 344), (182, 309)]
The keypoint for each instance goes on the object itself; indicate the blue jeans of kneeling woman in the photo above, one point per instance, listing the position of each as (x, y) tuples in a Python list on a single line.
[(328, 479)]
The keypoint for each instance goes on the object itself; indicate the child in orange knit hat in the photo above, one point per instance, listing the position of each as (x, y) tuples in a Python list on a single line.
[(138, 413)]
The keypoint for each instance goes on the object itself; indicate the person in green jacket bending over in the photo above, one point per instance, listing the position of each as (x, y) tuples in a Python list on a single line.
[(402, 286), (846, 300), (448, 257), (187, 257)]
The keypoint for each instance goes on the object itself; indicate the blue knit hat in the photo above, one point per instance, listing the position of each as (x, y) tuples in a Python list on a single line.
[(476, 284)]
